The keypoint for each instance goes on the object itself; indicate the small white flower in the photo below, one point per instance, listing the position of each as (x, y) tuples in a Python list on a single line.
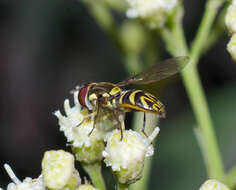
[(77, 135), (155, 11), (58, 170), (213, 185), (27, 184), (230, 18), (77, 128), (126, 156)]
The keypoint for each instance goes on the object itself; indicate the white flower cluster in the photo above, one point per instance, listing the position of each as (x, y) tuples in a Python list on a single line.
[(126, 156), (27, 184), (230, 21), (154, 11), (76, 125)]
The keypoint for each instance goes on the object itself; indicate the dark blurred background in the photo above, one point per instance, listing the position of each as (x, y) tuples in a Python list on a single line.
[(48, 47)]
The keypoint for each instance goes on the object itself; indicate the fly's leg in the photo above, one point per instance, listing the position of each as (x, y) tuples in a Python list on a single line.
[(94, 118), (144, 125), (85, 119), (94, 122), (121, 131)]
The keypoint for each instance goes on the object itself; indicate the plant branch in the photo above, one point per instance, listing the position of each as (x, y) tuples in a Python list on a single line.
[(197, 98)]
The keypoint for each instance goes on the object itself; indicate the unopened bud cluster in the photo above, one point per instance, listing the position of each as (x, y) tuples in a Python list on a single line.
[(230, 21), (213, 185), (58, 170)]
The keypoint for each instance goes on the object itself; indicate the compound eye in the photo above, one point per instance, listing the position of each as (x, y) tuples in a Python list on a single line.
[(83, 95), (115, 90)]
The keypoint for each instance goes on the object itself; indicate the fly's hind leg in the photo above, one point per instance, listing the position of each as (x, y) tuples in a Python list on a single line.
[(120, 125), (121, 131), (144, 125)]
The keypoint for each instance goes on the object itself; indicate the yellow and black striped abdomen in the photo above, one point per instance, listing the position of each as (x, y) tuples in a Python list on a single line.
[(138, 100)]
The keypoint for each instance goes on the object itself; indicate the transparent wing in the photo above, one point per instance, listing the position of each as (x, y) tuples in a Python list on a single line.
[(158, 71)]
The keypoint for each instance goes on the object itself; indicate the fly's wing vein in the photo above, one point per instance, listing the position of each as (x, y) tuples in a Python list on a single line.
[(158, 71)]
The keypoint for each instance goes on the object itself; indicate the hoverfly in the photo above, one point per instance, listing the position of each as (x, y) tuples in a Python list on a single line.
[(105, 98)]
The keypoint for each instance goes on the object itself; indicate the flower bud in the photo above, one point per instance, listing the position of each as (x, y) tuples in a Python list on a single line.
[(230, 18), (27, 184), (213, 185), (133, 37), (86, 187), (154, 12), (58, 170), (126, 156), (231, 47), (77, 127)]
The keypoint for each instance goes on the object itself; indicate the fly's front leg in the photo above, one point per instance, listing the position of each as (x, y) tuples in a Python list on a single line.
[(94, 122), (94, 118), (93, 127), (86, 118)]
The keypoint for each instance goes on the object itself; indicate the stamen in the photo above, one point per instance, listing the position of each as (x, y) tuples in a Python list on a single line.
[(11, 174), (154, 134)]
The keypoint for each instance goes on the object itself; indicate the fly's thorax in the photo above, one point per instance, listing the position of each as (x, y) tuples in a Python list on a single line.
[(138, 100), (101, 93)]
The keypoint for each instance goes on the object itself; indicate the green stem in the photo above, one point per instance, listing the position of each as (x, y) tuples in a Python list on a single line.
[(212, 7), (197, 98), (104, 18), (217, 31), (95, 174), (196, 94), (123, 186), (230, 178)]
